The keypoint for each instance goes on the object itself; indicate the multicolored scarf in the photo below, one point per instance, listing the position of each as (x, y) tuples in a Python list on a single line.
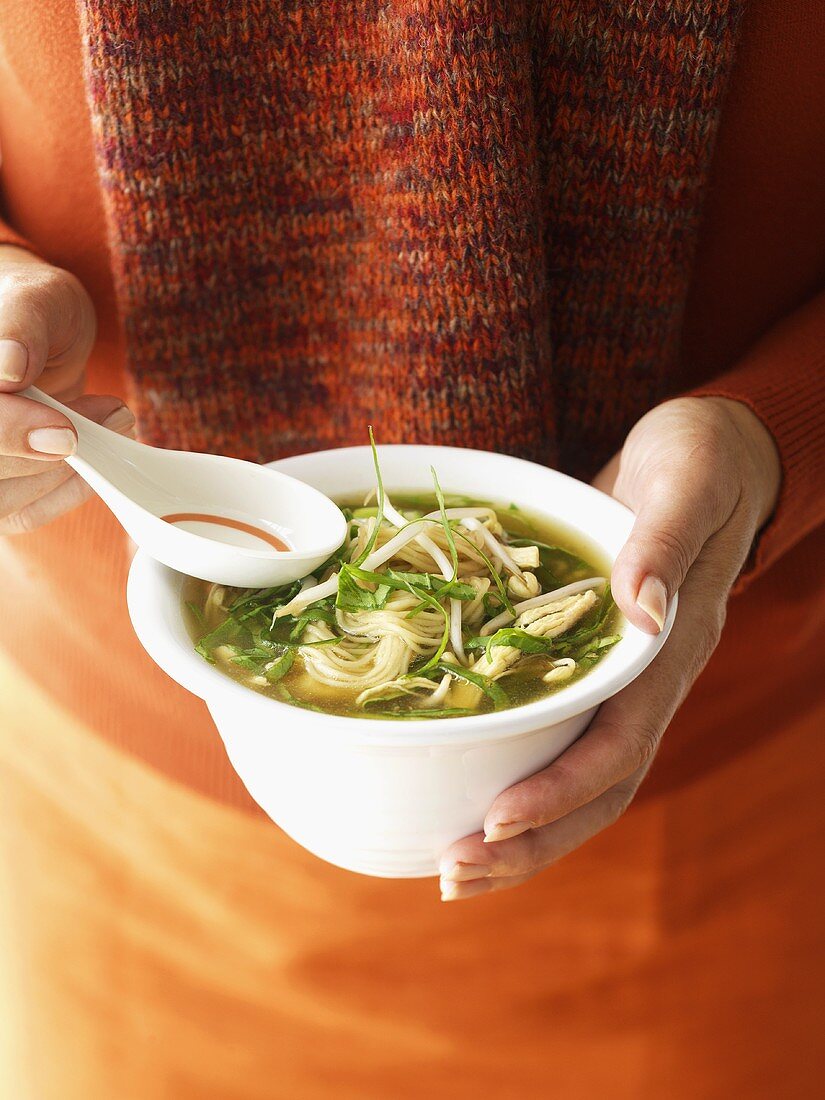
[(468, 222)]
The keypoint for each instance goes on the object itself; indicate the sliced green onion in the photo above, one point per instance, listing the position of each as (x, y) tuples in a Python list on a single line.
[(379, 517)]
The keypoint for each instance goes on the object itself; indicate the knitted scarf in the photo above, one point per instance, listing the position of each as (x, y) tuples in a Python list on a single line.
[(467, 222)]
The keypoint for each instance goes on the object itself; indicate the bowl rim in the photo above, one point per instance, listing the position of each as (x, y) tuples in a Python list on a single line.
[(153, 598)]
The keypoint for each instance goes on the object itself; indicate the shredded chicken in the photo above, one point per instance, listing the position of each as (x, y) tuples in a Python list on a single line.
[(544, 622), (547, 621)]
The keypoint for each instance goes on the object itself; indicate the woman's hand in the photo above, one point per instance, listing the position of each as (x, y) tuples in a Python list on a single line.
[(47, 329), (702, 476)]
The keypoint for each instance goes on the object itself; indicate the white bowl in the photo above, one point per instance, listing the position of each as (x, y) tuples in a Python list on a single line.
[(384, 797)]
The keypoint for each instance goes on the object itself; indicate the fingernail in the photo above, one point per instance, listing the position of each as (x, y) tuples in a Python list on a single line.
[(504, 830), (458, 891), (53, 441), (14, 358), (652, 599), (120, 420), (464, 872)]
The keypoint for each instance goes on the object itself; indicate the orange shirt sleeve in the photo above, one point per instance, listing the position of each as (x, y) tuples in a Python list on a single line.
[(782, 380)]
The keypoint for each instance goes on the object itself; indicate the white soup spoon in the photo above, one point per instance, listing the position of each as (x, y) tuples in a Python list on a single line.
[(220, 519)]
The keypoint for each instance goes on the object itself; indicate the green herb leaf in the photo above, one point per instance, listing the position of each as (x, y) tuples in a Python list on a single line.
[(224, 634), (352, 596), (492, 605), (597, 646), (262, 600), (297, 626), (495, 691), (424, 501), (381, 700), (516, 639), (455, 590), (445, 522), (394, 694), (196, 612), (280, 667), (243, 660), (417, 583), (268, 644)]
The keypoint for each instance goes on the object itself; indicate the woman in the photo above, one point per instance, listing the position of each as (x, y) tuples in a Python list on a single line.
[(470, 224)]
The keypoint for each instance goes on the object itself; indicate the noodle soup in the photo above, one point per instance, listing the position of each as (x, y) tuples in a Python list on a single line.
[(434, 607)]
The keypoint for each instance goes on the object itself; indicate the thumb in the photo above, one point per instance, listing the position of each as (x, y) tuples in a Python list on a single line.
[(46, 320), (674, 521)]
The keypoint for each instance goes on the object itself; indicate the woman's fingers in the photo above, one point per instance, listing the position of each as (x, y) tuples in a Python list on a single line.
[(35, 433), (471, 866), (16, 493), (34, 491), (43, 509), (461, 891), (46, 320), (621, 740), (106, 410)]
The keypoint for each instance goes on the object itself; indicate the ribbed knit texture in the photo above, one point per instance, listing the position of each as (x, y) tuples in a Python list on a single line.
[(465, 222)]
